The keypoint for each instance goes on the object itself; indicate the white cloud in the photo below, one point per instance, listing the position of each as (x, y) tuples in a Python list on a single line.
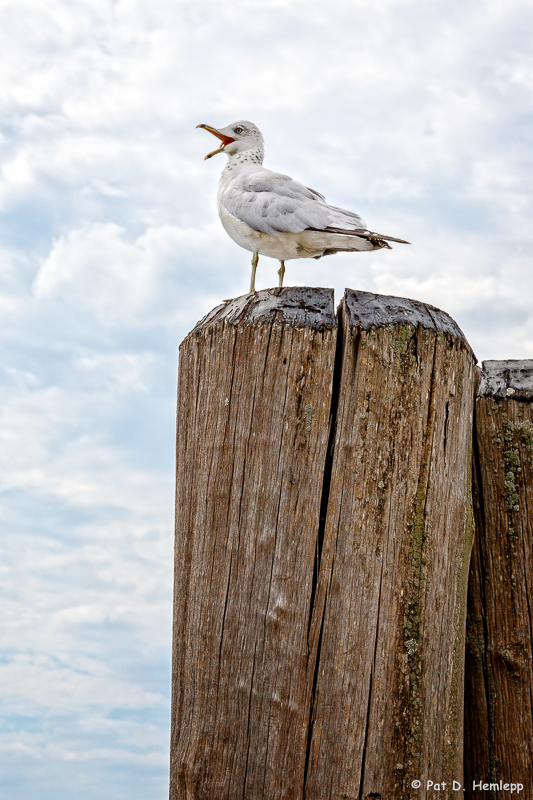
[(125, 282)]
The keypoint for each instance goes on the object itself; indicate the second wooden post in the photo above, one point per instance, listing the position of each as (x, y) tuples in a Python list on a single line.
[(391, 603)]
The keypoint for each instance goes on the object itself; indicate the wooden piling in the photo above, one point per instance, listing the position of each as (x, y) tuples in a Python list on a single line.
[(388, 700), (499, 655), (323, 535), (254, 402)]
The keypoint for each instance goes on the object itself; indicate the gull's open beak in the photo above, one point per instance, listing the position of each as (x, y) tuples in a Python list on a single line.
[(225, 140)]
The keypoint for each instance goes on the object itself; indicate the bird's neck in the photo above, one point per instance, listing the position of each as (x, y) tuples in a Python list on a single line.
[(245, 158)]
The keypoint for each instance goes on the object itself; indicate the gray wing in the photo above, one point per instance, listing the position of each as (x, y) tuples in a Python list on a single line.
[(272, 203)]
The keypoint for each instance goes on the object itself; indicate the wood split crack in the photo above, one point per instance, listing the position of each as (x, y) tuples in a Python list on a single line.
[(370, 687), (446, 424), (248, 724), (480, 535), (317, 574)]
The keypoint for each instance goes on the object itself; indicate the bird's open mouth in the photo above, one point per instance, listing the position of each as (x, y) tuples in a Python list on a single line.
[(225, 140)]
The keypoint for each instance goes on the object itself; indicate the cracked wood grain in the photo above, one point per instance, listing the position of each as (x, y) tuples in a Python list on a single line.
[(322, 544), (499, 655)]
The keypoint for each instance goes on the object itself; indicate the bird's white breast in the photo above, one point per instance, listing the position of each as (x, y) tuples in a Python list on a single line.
[(239, 231)]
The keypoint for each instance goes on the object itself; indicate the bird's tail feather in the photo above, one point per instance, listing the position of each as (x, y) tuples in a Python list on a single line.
[(377, 239)]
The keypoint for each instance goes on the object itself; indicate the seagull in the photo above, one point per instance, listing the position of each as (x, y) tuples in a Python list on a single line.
[(273, 215)]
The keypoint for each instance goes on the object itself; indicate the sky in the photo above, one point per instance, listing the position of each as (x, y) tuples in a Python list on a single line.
[(417, 114)]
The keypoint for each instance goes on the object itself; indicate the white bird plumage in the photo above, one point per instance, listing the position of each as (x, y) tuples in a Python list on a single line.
[(273, 215)]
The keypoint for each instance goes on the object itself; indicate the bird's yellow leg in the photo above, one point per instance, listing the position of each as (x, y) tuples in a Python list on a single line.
[(281, 273), (255, 261)]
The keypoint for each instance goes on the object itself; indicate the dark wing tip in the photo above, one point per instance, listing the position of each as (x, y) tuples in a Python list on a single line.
[(387, 238), (363, 233)]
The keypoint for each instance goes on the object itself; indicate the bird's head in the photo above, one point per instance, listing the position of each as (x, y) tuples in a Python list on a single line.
[(236, 138)]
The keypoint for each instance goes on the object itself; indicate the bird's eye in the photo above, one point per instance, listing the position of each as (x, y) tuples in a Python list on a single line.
[(239, 130)]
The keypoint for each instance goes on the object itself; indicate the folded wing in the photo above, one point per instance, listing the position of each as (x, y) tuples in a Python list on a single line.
[(273, 203)]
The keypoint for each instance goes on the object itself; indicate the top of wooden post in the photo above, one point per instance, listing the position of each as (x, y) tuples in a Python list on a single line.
[(510, 378), (366, 309), (299, 306), (308, 307)]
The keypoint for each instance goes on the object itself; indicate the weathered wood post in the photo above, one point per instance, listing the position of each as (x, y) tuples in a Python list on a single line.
[(323, 535), (254, 403), (388, 700), (499, 657)]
